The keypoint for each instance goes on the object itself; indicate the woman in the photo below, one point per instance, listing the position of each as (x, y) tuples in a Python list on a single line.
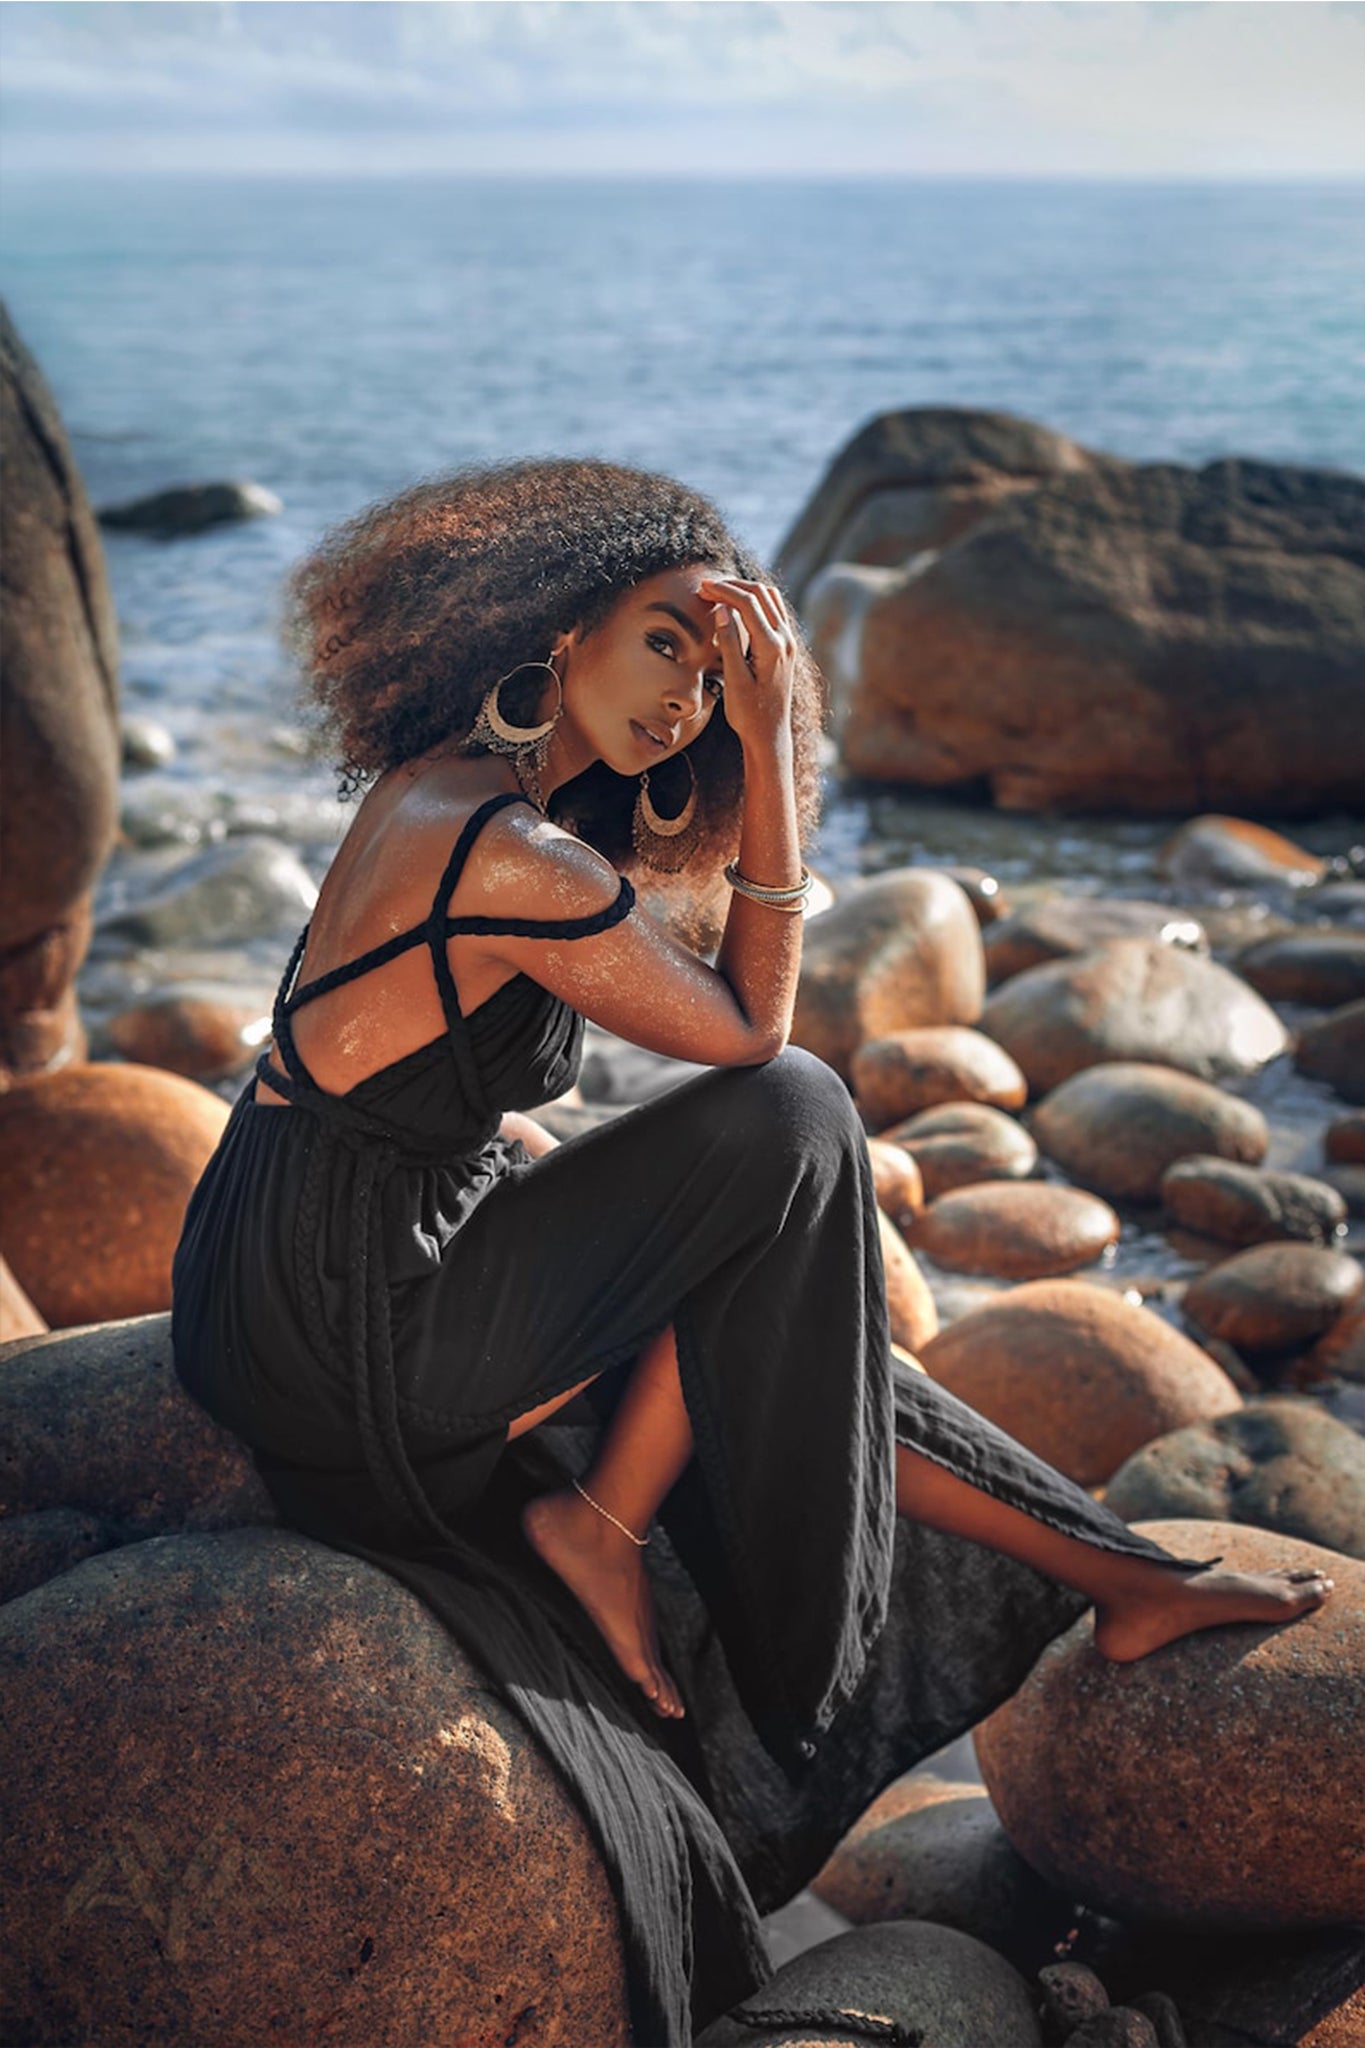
[(390, 1276)]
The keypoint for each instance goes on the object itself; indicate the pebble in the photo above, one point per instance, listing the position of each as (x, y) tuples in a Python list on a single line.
[(144, 743), (961, 1143), (896, 1181)]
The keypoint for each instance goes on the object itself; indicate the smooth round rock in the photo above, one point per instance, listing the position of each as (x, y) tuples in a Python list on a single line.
[(1277, 1464), (1344, 1141), (1333, 1050), (1349, 1183), (1118, 1128), (1341, 1350), (1215, 1782), (896, 1180), (308, 1802), (910, 1305), (144, 743), (245, 889), (895, 1077), (961, 1143), (954, 1991), (1065, 926), (1273, 1297), (99, 1163), (1071, 1994), (1132, 999), (1016, 1230), (1234, 853), (1323, 969), (931, 1850), (984, 892), (1077, 1374), (192, 508), (902, 950), (190, 1035), (1238, 1204)]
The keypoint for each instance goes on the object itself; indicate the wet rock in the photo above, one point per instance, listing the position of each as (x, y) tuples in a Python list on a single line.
[(1120, 2027), (190, 1035), (1277, 1464), (290, 1728), (1234, 853), (896, 1179), (961, 1143), (100, 1162), (955, 1991), (18, 1316), (58, 721), (914, 1318), (1132, 999), (1228, 1791), (897, 1076), (983, 891), (1341, 1349), (1016, 1230), (900, 951), (1067, 926), (1119, 1128), (1049, 652), (1274, 1297), (1322, 969), (1336, 903), (926, 1850), (1248, 1205), (1333, 1051), (145, 744), (1077, 1373), (247, 889), (191, 508), (1344, 1143), (914, 480), (1071, 1995)]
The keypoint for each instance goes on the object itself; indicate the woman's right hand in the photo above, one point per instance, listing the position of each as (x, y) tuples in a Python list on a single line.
[(759, 683)]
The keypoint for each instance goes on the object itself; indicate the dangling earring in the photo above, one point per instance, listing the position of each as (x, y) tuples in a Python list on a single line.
[(527, 746), (666, 843)]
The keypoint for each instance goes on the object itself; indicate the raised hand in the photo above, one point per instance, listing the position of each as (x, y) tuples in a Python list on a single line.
[(759, 678)]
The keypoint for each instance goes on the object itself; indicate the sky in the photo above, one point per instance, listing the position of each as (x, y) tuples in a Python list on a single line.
[(1219, 89)]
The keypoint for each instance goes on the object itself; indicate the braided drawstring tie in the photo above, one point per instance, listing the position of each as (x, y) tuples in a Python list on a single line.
[(830, 2019)]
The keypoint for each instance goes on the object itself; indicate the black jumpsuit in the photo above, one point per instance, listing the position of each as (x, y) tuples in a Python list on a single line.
[(370, 1286)]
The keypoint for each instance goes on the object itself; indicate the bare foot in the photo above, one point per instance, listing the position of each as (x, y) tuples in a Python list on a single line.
[(1178, 1604), (604, 1572)]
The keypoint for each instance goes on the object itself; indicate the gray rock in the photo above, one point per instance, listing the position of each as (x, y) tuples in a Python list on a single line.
[(1236, 1204), (249, 889), (1334, 1051), (191, 508), (1276, 1464), (145, 744), (1066, 926), (1072, 1994), (1273, 1297)]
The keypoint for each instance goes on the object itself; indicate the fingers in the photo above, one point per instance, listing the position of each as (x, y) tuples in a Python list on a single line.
[(760, 603)]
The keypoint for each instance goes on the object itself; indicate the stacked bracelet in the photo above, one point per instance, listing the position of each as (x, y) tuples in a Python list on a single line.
[(793, 899)]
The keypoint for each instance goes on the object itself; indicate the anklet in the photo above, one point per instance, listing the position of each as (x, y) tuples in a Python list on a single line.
[(640, 1542)]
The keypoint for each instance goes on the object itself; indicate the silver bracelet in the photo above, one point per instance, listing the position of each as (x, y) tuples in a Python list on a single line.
[(792, 898)]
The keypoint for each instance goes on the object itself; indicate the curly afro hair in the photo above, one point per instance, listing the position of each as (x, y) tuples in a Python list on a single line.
[(405, 615)]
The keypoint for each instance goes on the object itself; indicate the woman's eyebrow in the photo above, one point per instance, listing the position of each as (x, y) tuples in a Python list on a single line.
[(676, 612)]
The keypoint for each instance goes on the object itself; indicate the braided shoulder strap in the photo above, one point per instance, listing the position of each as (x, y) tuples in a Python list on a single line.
[(830, 2019)]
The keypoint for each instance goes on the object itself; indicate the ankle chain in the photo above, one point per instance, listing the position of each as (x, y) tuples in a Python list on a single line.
[(640, 1542)]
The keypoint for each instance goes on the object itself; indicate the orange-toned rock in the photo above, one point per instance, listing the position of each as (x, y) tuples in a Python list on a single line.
[(963, 1142), (897, 1076), (901, 950), (190, 1035), (1237, 1204), (914, 1318), (1216, 1782), (984, 892), (1016, 1230), (99, 1162), (1077, 1373), (1066, 926), (896, 1178), (1341, 1350), (1119, 1127), (1273, 1297), (1334, 1051), (307, 1802), (1218, 852), (928, 1849), (1323, 969), (18, 1316), (1344, 1143), (1132, 999)]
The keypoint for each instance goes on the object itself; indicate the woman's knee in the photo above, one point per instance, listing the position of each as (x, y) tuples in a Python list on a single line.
[(793, 1104)]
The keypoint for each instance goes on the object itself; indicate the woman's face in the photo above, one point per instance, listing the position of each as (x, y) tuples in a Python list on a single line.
[(645, 682)]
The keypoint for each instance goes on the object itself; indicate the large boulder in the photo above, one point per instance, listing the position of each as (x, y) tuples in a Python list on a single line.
[(1077, 1374), (1016, 1230), (938, 1985), (1129, 638), (897, 1076), (1237, 1204), (1274, 1297), (1132, 999), (100, 1162), (59, 740), (1278, 1464), (1118, 1128), (1333, 1050), (308, 1803), (1065, 926), (903, 949), (960, 1143), (1215, 1782)]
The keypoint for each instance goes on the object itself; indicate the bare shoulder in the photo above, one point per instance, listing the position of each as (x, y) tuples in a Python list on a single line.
[(523, 865)]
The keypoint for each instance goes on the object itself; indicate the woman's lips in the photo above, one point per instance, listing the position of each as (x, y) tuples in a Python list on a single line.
[(647, 738)]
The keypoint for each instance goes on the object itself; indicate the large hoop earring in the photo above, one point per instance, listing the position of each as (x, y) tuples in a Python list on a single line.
[(527, 746), (666, 843)]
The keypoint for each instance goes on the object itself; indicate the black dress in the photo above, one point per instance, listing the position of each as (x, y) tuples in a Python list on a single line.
[(369, 1287)]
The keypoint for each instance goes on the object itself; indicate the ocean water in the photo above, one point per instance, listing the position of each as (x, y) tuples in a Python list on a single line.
[(335, 340)]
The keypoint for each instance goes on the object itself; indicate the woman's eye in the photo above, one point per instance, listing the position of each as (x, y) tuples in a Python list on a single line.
[(716, 685), (661, 643)]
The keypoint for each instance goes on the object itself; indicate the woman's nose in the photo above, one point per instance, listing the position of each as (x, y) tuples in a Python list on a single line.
[(686, 702)]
